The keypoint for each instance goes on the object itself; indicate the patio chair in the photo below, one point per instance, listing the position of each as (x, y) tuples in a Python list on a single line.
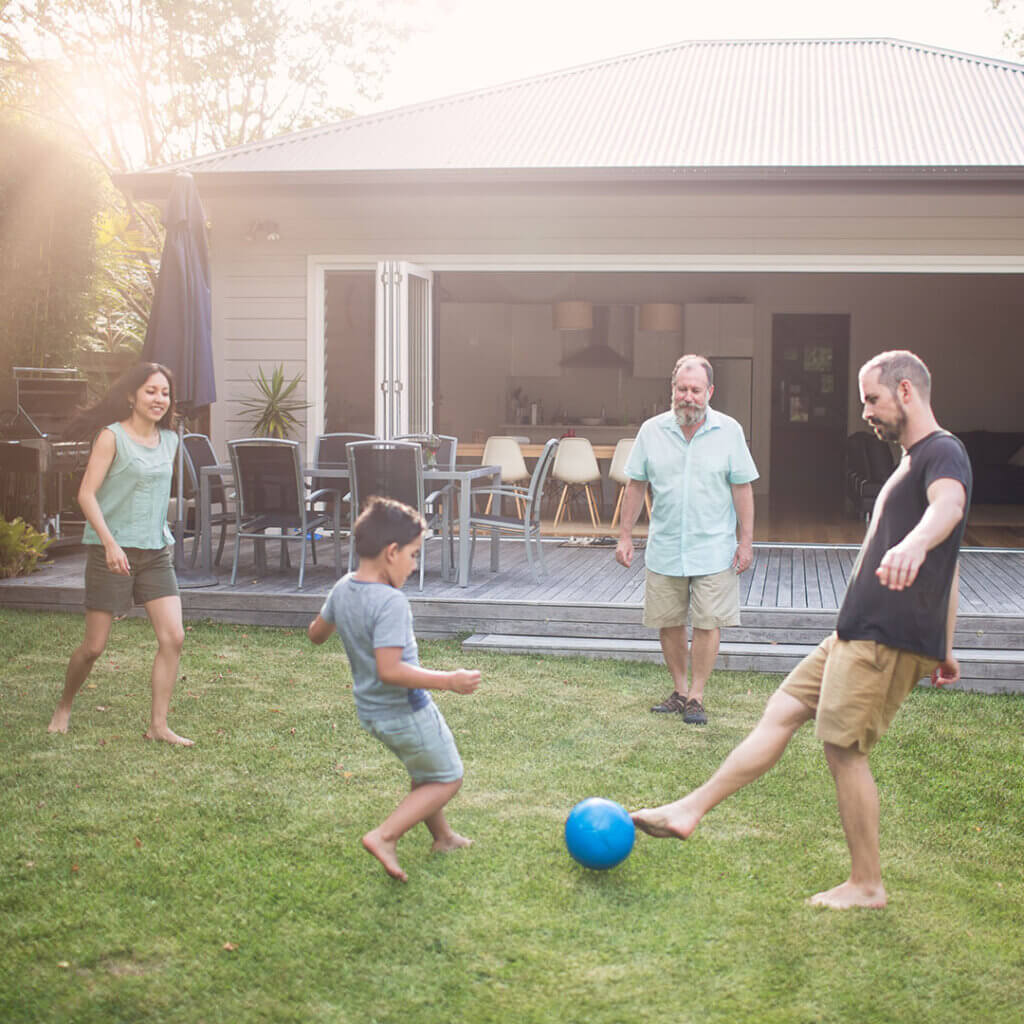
[(199, 453), (389, 469), (444, 458), (529, 526), (271, 494), (331, 452)]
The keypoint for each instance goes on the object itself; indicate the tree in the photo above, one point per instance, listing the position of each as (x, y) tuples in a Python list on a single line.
[(49, 196), (157, 81), (1013, 36)]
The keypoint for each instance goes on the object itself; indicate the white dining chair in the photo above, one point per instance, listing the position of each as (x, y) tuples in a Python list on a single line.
[(576, 467), (504, 451), (617, 474)]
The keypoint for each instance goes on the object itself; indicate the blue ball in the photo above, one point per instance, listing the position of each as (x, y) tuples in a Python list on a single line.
[(599, 833)]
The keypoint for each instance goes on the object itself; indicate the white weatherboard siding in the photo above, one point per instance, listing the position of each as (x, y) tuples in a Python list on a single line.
[(759, 245)]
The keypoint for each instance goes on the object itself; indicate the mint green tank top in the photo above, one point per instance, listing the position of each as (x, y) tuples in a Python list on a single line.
[(136, 491)]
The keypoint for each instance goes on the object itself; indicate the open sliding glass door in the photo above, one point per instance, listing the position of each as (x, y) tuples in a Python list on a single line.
[(404, 350)]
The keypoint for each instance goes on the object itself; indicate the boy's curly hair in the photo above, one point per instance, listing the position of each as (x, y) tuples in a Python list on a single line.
[(384, 521)]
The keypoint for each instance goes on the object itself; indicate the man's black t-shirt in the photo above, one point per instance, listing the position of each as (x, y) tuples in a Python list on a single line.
[(913, 619)]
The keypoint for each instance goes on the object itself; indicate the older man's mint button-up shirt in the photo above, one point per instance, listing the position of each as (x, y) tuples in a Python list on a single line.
[(693, 519)]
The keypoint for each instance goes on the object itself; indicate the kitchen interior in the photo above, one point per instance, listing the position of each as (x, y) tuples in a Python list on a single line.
[(542, 355)]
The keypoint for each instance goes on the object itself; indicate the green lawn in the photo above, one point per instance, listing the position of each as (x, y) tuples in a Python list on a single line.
[(226, 883)]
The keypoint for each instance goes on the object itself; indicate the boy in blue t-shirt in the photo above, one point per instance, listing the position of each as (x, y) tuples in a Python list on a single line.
[(372, 616)]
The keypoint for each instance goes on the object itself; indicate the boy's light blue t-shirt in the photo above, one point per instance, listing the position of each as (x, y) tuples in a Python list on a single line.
[(367, 616)]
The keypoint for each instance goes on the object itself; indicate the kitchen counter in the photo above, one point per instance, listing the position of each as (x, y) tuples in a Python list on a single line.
[(603, 434)]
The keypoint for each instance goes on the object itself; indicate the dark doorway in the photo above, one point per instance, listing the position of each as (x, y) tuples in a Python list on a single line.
[(810, 357), (348, 351)]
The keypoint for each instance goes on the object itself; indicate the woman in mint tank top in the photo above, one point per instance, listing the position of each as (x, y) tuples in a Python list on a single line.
[(124, 496)]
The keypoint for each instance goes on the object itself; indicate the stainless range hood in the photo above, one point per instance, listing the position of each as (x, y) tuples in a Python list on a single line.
[(598, 354)]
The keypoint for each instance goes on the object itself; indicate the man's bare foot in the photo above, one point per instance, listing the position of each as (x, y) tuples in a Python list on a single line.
[(849, 895), (165, 735), (449, 843), (385, 851), (674, 820), (60, 720)]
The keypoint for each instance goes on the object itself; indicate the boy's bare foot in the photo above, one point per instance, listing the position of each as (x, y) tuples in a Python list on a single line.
[(385, 851), (675, 820), (60, 720), (167, 736), (449, 843), (849, 895)]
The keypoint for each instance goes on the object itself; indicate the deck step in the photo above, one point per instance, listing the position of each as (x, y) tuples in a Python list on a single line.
[(982, 670)]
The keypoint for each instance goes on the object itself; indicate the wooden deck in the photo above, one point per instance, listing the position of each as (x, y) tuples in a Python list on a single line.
[(586, 603)]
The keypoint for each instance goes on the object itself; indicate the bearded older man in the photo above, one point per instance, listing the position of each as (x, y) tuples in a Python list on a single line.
[(700, 471)]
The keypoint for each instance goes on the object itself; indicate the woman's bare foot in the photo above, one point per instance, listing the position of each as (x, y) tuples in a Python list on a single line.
[(60, 720), (385, 850), (675, 820), (449, 843), (848, 895), (165, 735)]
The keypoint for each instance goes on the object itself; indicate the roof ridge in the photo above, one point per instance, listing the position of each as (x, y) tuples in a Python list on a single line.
[(383, 116)]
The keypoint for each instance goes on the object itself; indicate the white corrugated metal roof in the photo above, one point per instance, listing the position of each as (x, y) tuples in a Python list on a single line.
[(865, 103)]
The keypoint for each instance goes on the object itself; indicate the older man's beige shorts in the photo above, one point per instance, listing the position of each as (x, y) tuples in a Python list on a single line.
[(711, 601), (855, 688)]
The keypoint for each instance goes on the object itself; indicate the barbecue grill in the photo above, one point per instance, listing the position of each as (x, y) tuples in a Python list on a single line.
[(40, 473)]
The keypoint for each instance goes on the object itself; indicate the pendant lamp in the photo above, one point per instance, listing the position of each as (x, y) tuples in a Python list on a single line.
[(661, 316), (572, 316)]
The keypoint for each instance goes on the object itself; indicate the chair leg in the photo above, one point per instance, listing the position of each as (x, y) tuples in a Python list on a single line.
[(220, 543), (595, 519), (647, 503), (561, 505), (302, 560), (618, 505), (234, 566)]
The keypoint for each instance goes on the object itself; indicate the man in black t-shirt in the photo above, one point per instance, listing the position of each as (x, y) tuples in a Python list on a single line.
[(895, 627)]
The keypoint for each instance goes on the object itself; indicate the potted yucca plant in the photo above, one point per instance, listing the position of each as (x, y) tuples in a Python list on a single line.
[(274, 406)]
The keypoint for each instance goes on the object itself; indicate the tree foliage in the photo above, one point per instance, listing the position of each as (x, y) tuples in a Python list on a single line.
[(1014, 34), (49, 196), (158, 81)]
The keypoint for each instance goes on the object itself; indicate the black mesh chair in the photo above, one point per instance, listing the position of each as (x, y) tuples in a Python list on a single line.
[(199, 453), (437, 512), (331, 452), (388, 469), (271, 494), (528, 527)]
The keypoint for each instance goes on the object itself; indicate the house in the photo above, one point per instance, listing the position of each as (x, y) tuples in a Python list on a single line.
[(788, 207)]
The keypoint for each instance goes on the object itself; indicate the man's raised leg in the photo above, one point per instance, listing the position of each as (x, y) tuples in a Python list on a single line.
[(857, 795), (782, 716)]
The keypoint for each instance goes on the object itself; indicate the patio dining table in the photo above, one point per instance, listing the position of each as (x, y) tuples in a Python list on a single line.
[(464, 476)]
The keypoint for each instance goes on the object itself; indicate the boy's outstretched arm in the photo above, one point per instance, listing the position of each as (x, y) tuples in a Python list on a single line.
[(393, 670), (319, 631)]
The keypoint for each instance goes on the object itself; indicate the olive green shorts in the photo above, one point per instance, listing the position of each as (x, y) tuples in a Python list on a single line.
[(152, 576), (855, 688), (710, 601)]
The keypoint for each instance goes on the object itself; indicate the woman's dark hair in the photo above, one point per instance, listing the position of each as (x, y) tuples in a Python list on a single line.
[(385, 521), (116, 404)]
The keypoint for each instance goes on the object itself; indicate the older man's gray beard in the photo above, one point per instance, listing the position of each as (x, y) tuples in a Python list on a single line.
[(689, 416)]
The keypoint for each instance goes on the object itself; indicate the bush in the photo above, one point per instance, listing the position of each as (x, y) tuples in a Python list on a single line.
[(21, 548)]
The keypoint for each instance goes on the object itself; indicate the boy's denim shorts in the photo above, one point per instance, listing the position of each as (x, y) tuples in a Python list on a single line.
[(422, 741)]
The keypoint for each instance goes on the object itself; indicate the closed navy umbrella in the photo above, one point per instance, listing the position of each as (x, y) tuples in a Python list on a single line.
[(179, 331)]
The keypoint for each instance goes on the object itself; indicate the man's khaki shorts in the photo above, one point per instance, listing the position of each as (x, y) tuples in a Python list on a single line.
[(855, 688), (711, 601)]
